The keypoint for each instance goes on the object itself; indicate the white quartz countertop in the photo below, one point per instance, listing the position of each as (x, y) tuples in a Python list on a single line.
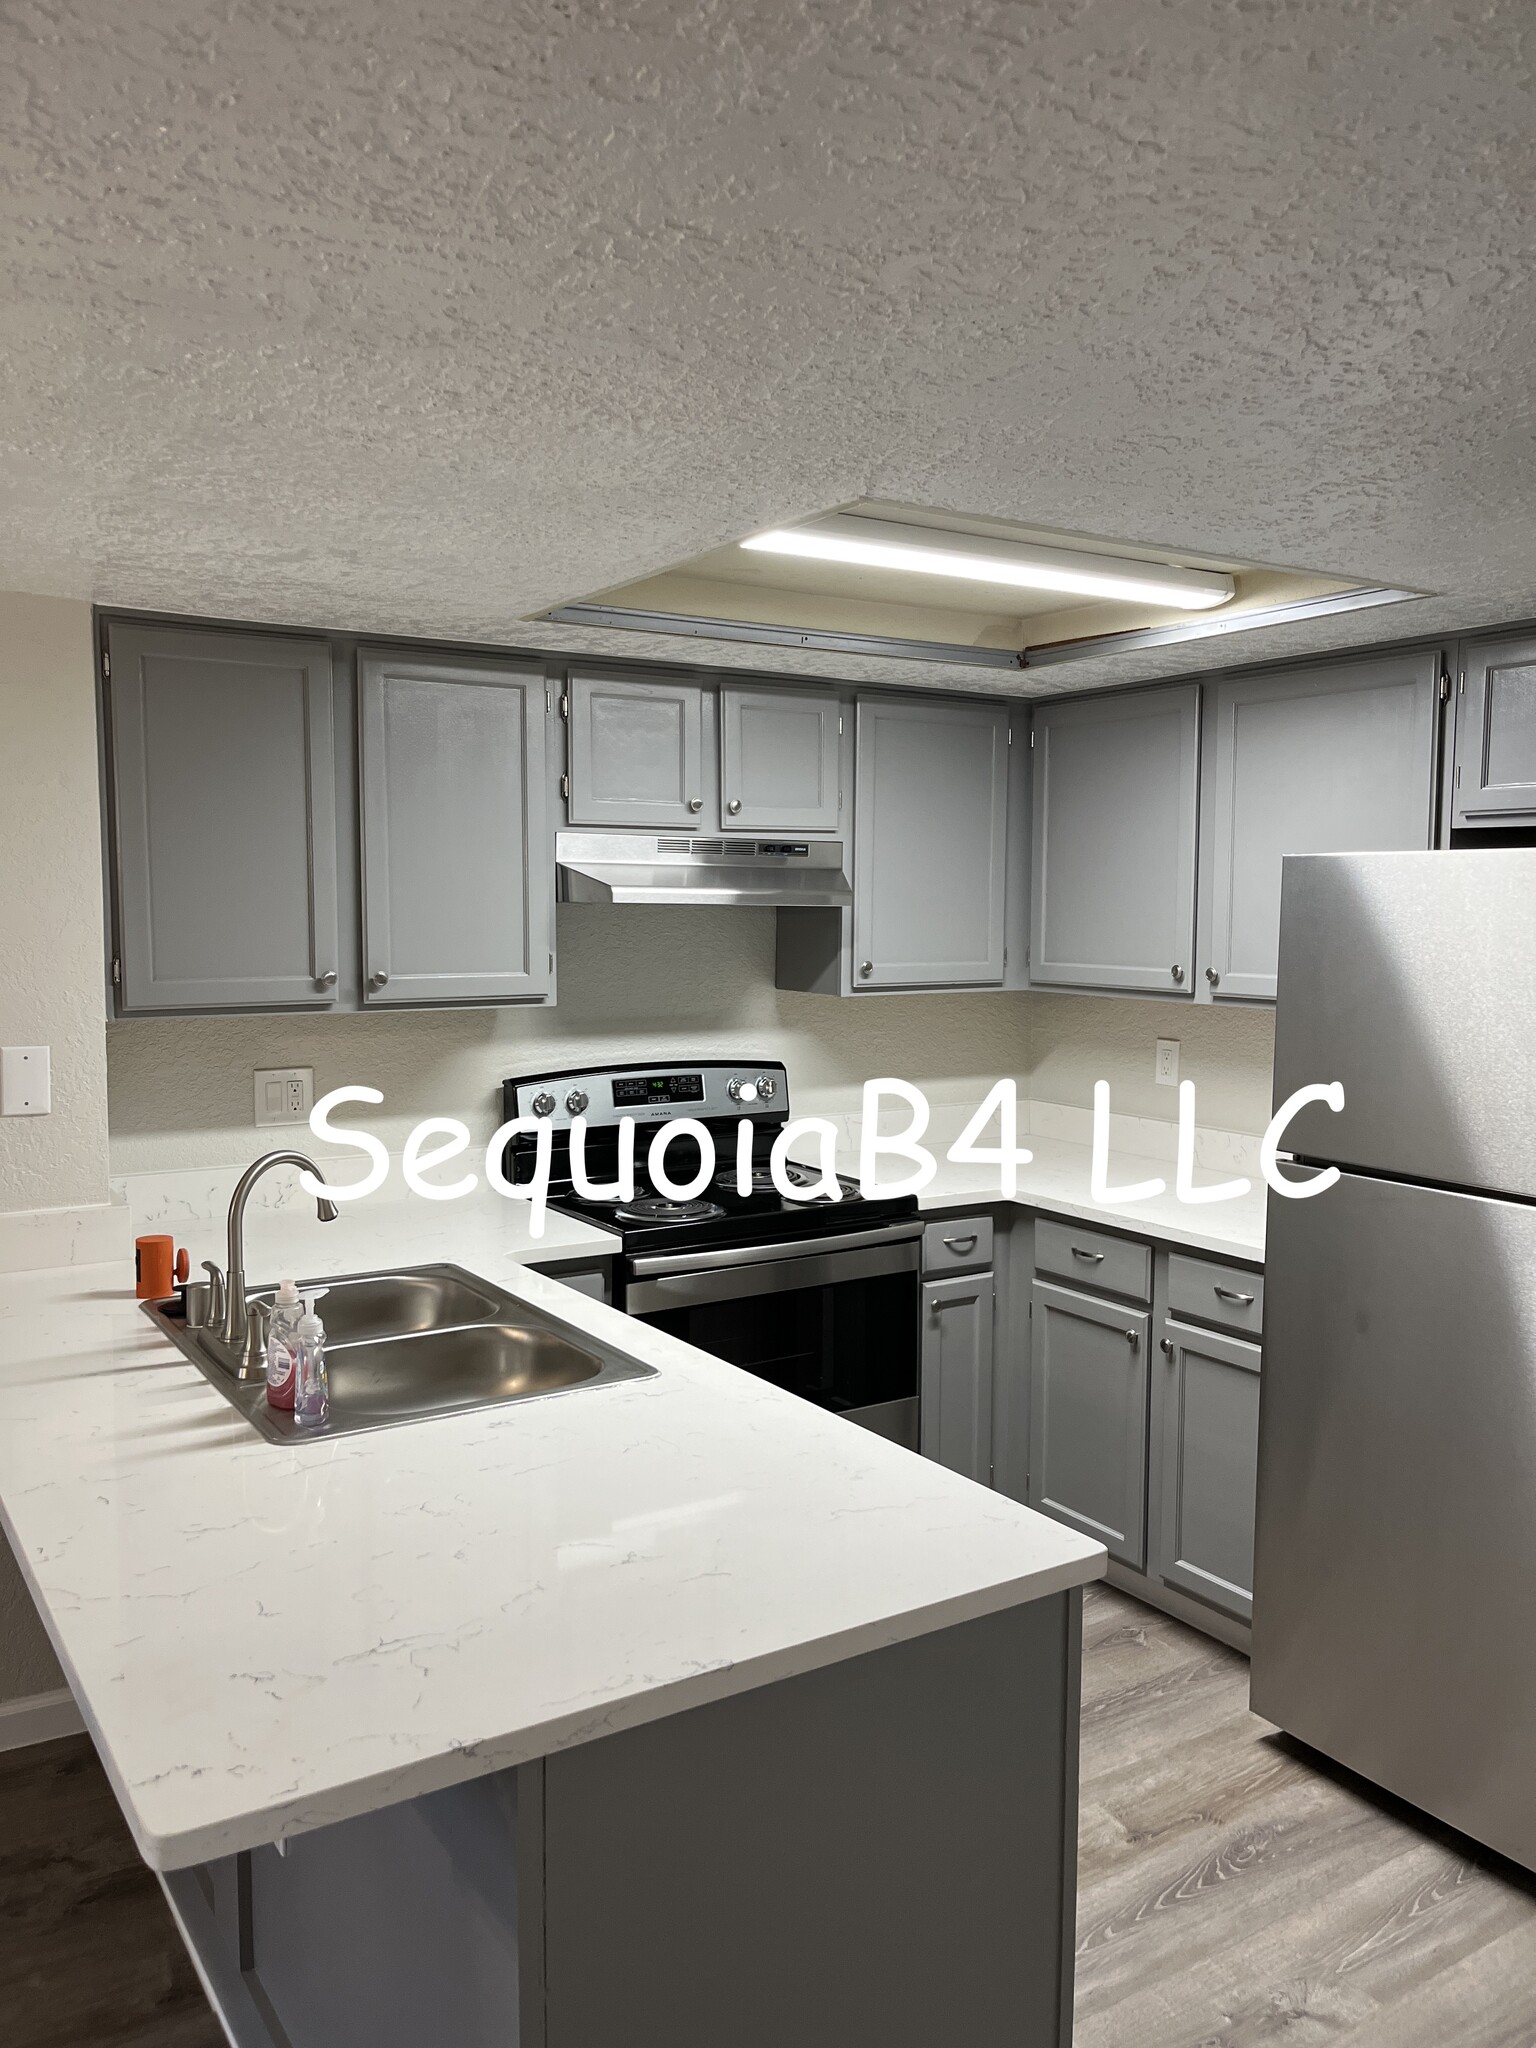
[(266, 1638), (1058, 1179)]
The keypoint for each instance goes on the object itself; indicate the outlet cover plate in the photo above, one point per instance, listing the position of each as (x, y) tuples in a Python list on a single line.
[(284, 1095), (1165, 1069), (26, 1086)]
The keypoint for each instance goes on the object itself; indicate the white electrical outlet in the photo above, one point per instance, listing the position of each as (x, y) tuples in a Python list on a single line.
[(284, 1095), (26, 1088), (1165, 1068)]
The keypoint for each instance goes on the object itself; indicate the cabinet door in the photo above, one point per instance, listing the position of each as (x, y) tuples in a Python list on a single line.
[(458, 892), (224, 795), (1334, 759), (930, 837), (779, 760), (1114, 841), (637, 753), (1207, 1430), (1496, 732), (1088, 1417), (957, 1375)]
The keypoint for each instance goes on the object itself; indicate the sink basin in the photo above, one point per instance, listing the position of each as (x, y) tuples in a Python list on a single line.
[(422, 1341)]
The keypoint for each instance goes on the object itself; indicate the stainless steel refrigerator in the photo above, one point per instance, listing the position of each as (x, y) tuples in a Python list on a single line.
[(1394, 1607)]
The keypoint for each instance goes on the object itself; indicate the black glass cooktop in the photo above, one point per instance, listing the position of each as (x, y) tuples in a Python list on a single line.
[(718, 1215)]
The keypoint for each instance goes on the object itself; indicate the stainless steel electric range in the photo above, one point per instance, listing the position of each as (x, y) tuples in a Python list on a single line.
[(820, 1296)]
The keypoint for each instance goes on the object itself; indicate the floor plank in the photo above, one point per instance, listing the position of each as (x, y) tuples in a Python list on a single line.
[(1237, 1891)]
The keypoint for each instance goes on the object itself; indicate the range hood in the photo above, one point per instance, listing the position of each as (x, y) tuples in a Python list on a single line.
[(764, 874)]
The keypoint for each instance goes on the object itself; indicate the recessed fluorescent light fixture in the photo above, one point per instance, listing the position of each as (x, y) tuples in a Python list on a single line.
[(890, 544)]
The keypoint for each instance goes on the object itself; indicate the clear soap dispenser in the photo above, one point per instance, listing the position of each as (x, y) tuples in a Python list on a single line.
[(283, 1345), (312, 1393)]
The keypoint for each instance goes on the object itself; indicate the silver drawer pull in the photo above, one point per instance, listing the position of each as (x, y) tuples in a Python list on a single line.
[(1093, 1258), (961, 1244), (1231, 1294)]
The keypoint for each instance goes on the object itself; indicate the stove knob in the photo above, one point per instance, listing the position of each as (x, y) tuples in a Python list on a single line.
[(543, 1103), (767, 1087), (576, 1102), (741, 1091)]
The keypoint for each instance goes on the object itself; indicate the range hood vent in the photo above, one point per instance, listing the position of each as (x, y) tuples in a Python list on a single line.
[(762, 874)]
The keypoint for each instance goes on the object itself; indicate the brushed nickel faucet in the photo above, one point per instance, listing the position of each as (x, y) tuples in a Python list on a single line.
[(240, 1344)]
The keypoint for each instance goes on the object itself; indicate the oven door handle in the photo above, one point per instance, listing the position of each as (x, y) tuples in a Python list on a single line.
[(655, 1264), (780, 1276)]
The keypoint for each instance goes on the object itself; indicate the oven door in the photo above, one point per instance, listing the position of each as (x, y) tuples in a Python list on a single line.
[(835, 1321)]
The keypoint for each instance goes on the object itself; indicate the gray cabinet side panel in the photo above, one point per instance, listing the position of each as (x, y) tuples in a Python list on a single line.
[(457, 884), (779, 760), (224, 800), (1088, 1417), (1114, 831), (1337, 759), (930, 843), (871, 1855), (636, 753)]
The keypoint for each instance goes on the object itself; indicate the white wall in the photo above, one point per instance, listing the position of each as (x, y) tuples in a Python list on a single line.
[(1228, 1052), (51, 980)]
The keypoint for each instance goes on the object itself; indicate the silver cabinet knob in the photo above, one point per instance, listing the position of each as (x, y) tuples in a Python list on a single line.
[(576, 1102), (378, 979), (1166, 1347), (734, 805), (1177, 973), (866, 968), (326, 980), (1212, 976), (695, 803), (1132, 1339), (543, 1103)]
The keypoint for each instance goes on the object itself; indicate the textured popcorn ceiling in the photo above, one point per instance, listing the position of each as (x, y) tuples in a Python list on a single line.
[(418, 318)]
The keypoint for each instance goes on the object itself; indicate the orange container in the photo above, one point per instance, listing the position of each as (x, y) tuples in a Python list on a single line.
[(154, 1263)]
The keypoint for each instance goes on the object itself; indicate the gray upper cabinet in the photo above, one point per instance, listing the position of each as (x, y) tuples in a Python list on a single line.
[(1207, 1425), (779, 760), (224, 809), (458, 887), (1495, 776), (636, 753), (1088, 1417), (929, 847), (1334, 759), (956, 1404), (1114, 841)]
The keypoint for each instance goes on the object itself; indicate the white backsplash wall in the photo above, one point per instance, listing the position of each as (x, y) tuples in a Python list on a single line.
[(635, 983), (1227, 1051), (642, 983)]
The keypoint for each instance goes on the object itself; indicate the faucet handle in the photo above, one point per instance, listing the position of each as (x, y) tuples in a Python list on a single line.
[(253, 1359), (215, 1293)]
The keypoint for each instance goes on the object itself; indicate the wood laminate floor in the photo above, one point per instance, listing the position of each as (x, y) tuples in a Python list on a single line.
[(1234, 1892)]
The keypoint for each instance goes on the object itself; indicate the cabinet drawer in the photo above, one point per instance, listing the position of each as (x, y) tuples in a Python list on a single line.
[(958, 1244), (1230, 1296), (1092, 1258)]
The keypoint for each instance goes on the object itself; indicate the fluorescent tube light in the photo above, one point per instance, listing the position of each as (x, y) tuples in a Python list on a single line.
[(888, 544)]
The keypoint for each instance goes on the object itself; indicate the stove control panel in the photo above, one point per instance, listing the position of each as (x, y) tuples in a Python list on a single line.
[(650, 1094)]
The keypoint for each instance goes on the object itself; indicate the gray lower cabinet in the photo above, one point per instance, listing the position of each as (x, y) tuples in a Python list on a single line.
[(779, 760), (636, 753), (457, 874), (1206, 1432), (956, 1403), (1115, 813), (1495, 767), (1339, 758), (1088, 1416), (930, 841), (223, 808)]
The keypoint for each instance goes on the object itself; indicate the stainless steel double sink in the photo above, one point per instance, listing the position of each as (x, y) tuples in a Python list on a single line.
[(413, 1342)]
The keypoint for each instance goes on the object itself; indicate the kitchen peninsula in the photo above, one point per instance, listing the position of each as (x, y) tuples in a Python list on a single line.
[(671, 1710)]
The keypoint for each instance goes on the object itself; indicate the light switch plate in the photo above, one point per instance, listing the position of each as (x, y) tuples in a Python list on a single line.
[(26, 1086), (284, 1095), (1165, 1069)]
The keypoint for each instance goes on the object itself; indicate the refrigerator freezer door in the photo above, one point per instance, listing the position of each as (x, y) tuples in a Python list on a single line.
[(1411, 978), (1395, 1569)]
